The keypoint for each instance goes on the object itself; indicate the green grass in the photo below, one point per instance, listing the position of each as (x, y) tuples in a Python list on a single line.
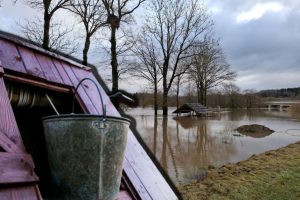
[(272, 175)]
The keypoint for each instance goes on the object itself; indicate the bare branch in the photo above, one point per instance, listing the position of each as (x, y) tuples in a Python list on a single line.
[(92, 16), (60, 35)]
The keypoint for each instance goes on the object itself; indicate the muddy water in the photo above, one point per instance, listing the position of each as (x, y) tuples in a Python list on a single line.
[(187, 146)]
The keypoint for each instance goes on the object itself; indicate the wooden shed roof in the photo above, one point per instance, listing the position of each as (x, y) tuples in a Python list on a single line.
[(189, 107), (27, 63)]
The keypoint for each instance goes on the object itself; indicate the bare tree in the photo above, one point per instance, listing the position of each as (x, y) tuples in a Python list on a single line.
[(233, 93), (251, 98), (59, 39), (126, 41), (118, 11), (181, 79), (49, 7), (209, 68), (91, 14), (176, 25), (147, 64)]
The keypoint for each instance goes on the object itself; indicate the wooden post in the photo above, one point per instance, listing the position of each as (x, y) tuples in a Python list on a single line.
[(1, 69)]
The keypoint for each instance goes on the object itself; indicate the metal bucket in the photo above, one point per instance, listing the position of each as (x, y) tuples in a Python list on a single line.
[(86, 154)]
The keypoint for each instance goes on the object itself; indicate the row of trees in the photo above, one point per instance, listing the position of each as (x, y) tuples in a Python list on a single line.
[(94, 15), (229, 96), (175, 42)]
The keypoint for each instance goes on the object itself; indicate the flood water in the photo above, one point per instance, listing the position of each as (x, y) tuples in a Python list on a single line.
[(187, 146)]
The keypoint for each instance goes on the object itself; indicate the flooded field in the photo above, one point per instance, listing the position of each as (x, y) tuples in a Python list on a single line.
[(187, 146)]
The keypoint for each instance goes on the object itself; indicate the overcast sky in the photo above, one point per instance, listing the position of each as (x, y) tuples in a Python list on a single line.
[(261, 38)]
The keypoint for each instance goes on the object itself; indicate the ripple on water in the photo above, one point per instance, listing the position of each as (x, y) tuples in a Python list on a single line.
[(293, 132)]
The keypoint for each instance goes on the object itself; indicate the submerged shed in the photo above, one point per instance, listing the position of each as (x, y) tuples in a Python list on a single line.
[(26, 73), (194, 109)]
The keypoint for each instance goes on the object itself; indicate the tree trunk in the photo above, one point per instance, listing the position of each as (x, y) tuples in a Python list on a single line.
[(165, 102), (46, 37), (205, 97), (199, 94), (86, 50), (155, 99), (155, 136), (165, 97), (165, 142), (202, 94), (165, 88), (177, 93), (114, 61)]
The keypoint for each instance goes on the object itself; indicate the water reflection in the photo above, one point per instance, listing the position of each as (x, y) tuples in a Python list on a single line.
[(187, 146)]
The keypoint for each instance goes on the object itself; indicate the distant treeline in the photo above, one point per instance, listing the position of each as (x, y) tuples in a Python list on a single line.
[(233, 100), (229, 99), (279, 93)]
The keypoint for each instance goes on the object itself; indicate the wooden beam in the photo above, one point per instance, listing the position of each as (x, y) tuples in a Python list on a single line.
[(20, 192), (16, 168), (123, 195), (8, 145), (1, 69), (37, 83)]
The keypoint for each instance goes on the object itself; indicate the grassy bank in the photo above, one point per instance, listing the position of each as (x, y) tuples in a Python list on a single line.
[(271, 175)]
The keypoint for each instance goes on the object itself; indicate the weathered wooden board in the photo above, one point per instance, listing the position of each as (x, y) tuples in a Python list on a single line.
[(31, 64), (20, 193), (16, 168), (8, 146), (10, 56), (8, 123), (147, 172), (123, 195), (8, 127), (62, 73), (135, 181), (81, 90), (90, 89), (1, 69), (48, 68)]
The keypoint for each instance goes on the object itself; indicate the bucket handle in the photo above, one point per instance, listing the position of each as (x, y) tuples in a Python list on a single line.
[(89, 79)]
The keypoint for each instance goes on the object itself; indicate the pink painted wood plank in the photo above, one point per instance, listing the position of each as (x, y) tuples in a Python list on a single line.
[(48, 68), (62, 73), (1, 69), (8, 145), (10, 57), (135, 180), (31, 64), (16, 168), (8, 124), (67, 81), (91, 89), (152, 180), (20, 193), (123, 195), (81, 91)]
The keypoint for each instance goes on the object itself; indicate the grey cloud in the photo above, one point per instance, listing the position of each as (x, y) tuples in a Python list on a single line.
[(261, 49)]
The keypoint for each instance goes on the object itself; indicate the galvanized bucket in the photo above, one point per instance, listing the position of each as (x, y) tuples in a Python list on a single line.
[(86, 154)]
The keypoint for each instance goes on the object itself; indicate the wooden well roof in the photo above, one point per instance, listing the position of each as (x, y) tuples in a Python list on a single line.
[(189, 107), (26, 63)]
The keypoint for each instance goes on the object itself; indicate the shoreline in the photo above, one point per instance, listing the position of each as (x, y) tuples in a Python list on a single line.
[(273, 175)]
